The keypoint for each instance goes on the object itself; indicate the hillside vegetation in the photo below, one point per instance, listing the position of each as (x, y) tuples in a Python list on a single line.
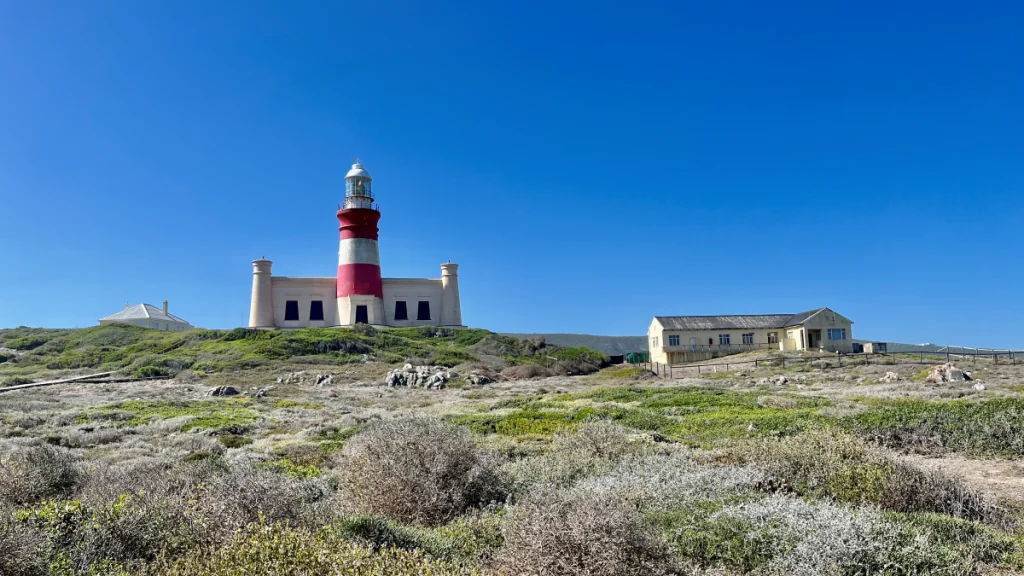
[(143, 352), (807, 470), (604, 344)]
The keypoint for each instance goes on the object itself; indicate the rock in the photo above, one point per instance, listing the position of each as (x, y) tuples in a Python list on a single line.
[(979, 386), (261, 393), (890, 377), (822, 364), (779, 380), (222, 391), (946, 373), (478, 379), (186, 376), (410, 376)]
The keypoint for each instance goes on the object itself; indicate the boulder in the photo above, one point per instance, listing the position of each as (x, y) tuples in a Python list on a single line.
[(478, 379), (409, 376), (947, 373), (222, 391), (890, 377), (979, 386)]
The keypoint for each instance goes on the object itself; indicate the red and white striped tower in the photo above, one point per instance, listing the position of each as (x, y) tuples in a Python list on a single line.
[(360, 293)]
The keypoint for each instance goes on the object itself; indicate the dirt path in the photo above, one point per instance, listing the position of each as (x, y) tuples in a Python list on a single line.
[(1003, 479)]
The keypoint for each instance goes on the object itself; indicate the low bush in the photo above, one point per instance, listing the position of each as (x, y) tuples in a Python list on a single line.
[(785, 535), (653, 482), (282, 551), (470, 540), (241, 496), (416, 470), (826, 463), (525, 372), (32, 474), (993, 427), (234, 440), (573, 533), (591, 448), (22, 550)]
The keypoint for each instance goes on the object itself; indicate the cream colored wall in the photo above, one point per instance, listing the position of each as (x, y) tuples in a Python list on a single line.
[(657, 352), (702, 336), (413, 290), (304, 291), (828, 319)]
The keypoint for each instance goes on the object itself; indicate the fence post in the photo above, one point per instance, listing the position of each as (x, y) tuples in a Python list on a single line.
[(839, 358), (698, 369), (755, 363)]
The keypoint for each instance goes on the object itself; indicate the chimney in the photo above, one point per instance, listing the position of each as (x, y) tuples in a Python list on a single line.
[(126, 306), (165, 306)]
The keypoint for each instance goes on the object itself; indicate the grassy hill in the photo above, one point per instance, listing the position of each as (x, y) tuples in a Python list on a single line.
[(141, 352), (603, 344)]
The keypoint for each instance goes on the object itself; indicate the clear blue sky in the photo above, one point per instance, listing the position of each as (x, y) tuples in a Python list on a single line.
[(589, 165)]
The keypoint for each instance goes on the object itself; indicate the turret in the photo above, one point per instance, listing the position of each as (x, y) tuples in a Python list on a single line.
[(451, 309), (261, 310)]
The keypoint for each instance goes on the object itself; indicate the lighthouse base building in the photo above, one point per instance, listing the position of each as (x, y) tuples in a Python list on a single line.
[(358, 294)]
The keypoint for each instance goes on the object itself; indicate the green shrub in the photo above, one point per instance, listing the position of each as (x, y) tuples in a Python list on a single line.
[(234, 440), (281, 551), (17, 380), (22, 549), (990, 428), (149, 372), (828, 464)]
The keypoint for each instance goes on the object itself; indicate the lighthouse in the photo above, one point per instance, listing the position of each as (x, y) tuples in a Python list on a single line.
[(357, 294), (360, 290)]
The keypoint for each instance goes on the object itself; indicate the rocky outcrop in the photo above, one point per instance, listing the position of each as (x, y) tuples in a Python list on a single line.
[(890, 377), (779, 380), (310, 378), (410, 376), (222, 391), (947, 373), (478, 379)]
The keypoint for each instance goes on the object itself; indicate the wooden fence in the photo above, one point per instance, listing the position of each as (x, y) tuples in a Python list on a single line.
[(840, 359)]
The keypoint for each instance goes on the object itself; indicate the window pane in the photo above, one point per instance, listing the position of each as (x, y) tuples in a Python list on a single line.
[(423, 312), (291, 310), (316, 310), (401, 311)]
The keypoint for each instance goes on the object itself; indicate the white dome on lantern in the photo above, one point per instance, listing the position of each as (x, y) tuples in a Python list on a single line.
[(358, 171)]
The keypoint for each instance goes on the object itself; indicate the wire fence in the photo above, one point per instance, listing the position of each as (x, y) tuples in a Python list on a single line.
[(946, 355)]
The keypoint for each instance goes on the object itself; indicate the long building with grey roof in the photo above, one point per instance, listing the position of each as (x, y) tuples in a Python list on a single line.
[(678, 339)]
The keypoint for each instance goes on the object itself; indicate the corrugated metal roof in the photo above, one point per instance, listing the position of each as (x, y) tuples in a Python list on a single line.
[(735, 322), (802, 317), (144, 312)]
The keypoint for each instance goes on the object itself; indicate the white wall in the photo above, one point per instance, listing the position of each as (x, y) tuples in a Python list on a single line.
[(412, 291), (304, 291)]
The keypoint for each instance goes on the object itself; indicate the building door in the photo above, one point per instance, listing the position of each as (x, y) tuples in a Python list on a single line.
[(693, 343), (361, 315)]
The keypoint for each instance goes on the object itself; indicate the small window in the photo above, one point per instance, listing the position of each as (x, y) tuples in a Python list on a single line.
[(773, 337), (401, 310), (423, 312), (291, 310), (837, 333), (723, 339), (316, 310), (748, 338), (673, 340), (655, 341)]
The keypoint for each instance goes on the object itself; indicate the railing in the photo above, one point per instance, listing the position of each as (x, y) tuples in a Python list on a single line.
[(357, 202), (840, 359)]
